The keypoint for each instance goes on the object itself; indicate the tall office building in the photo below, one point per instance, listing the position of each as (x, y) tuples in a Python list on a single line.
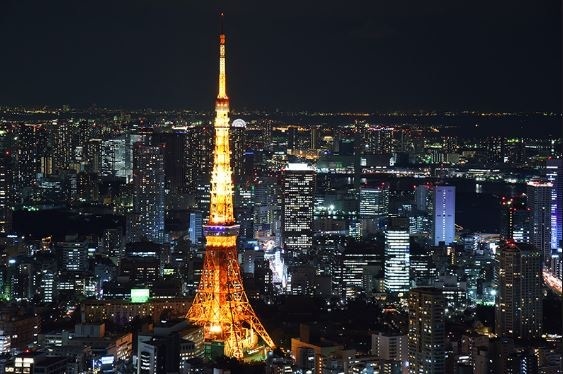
[(292, 137), (195, 229), (148, 198), (31, 145), (515, 219), (421, 197), (62, 145), (93, 155), (444, 214), (199, 156), (174, 158), (397, 256), (374, 201), (496, 149), (539, 203), (7, 198), (554, 173), (75, 255), (427, 331), (519, 308), (238, 147), (297, 207), (378, 140)]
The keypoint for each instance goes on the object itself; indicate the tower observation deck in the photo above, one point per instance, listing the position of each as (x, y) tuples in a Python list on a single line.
[(221, 305)]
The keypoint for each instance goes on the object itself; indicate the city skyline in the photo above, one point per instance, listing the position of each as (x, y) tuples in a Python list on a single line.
[(319, 56), (164, 241)]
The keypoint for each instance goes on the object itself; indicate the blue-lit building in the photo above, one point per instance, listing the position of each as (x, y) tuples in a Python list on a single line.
[(554, 173), (539, 203), (444, 214), (195, 229)]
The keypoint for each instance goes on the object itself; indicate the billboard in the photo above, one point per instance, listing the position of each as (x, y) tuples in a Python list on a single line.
[(139, 295)]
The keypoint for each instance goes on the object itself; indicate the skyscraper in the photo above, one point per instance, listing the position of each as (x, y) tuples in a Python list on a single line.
[(7, 200), (554, 173), (297, 207), (378, 140), (397, 256), (427, 331), (444, 214), (421, 197), (539, 202), (31, 145), (174, 158), (221, 305), (62, 145), (374, 201), (519, 308), (199, 156), (148, 198), (515, 219), (195, 229), (238, 146)]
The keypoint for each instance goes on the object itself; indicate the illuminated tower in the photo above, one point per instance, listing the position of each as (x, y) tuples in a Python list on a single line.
[(221, 304)]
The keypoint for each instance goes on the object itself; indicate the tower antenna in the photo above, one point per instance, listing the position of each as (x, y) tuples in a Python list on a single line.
[(222, 17)]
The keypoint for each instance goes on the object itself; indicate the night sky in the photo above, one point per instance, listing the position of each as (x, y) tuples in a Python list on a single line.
[(371, 55)]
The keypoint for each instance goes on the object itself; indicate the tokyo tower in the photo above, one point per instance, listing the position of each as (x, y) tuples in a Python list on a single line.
[(221, 305)]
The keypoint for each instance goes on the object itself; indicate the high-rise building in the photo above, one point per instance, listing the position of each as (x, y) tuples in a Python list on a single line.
[(93, 156), (292, 137), (297, 207), (444, 214), (62, 145), (112, 243), (427, 331), (390, 346), (195, 229), (221, 306), (75, 255), (515, 219), (378, 140), (539, 203), (397, 256), (374, 201), (421, 197), (174, 158), (554, 173), (238, 147), (519, 308), (496, 149), (31, 145), (148, 198), (199, 156), (7, 198)]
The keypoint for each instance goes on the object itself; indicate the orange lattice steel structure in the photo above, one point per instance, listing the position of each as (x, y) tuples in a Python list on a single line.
[(221, 304)]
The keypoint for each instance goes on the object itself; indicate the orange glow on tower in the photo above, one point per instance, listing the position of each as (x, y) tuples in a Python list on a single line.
[(221, 304)]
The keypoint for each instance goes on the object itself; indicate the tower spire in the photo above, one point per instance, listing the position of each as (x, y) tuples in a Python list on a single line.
[(221, 212), (222, 73)]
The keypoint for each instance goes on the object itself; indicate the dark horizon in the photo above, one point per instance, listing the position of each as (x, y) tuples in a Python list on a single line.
[(318, 56)]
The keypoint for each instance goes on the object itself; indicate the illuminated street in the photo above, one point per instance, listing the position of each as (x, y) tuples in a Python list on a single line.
[(552, 282)]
